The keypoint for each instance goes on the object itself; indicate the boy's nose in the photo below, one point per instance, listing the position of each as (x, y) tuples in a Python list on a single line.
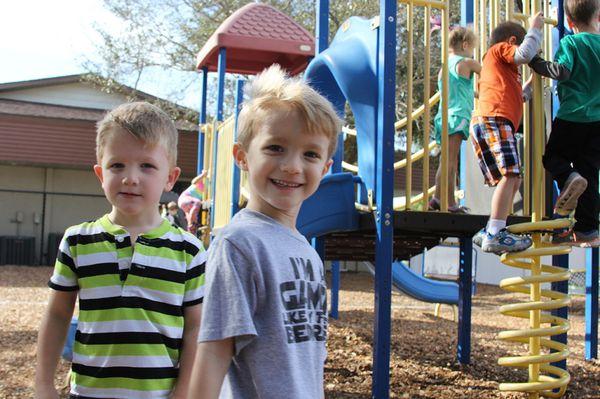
[(291, 165), (130, 179)]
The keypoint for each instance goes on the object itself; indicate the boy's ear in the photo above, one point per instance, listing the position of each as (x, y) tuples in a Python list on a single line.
[(239, 154), (172, 178), (512, 40), (570, 22), (326, 167), (98, 173)]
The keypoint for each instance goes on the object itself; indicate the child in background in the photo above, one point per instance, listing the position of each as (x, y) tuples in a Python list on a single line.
[(493, 125), (264, 319), (190, 202), (173, 214), (461, 67), (572, 153), (139, 279)]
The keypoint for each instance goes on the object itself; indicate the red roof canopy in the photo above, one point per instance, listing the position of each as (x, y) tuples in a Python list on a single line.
[(257, 36)]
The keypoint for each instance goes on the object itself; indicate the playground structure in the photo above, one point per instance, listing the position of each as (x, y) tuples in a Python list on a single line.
[(354, 216)]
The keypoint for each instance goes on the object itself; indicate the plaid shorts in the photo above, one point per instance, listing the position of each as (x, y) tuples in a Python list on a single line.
[(496, 148)]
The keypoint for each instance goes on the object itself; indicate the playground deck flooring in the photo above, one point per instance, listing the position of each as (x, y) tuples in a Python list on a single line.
[(423, 347)]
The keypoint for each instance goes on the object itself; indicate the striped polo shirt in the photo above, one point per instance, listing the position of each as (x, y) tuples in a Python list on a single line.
[(131, 304)]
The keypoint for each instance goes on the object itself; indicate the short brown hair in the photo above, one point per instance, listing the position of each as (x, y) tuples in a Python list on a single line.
[(273, 89), (143, 121), (459, 35), (505, 30), (582, 11)]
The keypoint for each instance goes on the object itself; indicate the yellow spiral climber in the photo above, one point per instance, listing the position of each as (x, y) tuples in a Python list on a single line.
[(545, 380)]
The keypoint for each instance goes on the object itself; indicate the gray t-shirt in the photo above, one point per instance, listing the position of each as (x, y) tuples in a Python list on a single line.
[(265, 287)]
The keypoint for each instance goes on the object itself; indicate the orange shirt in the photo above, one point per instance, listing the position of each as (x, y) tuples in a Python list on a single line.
[(500, 92)]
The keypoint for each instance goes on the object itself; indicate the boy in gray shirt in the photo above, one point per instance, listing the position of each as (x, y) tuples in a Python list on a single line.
[(264, 319)]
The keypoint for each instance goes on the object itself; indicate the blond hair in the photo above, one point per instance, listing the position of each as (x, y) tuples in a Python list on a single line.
[(273, 89), (582, 11), (460, 35), (143, 121)]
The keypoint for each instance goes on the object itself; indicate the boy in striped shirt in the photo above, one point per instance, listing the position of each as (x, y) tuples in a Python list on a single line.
[(138, 278)]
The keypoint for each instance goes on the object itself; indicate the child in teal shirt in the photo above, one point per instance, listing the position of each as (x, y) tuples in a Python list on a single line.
[(461, 66), (572, 153)]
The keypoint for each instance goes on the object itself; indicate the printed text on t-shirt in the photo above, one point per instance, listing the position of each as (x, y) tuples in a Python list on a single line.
[(305, 303)]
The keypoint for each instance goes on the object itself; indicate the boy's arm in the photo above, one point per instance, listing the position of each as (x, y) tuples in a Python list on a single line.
[(553, 70), (210, 367), (529, 48), (51, 339), (532, 42), (467, 66), (191, 315)]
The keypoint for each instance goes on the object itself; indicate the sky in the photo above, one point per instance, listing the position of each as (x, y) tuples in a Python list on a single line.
[(42, 39)]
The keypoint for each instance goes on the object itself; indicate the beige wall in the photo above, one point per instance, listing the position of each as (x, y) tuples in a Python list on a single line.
[(61, 210)]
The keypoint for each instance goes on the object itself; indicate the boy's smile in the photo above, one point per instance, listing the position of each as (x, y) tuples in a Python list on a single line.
[(133, 177), (285, 164)]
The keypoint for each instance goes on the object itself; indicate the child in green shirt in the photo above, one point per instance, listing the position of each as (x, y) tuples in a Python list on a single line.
[(461, 67), (572, 151)]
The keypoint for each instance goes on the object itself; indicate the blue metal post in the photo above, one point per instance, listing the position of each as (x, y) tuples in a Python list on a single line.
[(335, 289), (560, 17), (222, 68), (465, 287), (322, 33), (200, 164), (235, 180), (591, 303), (322, 42), (466, 12), (386, 79), (220, 100)]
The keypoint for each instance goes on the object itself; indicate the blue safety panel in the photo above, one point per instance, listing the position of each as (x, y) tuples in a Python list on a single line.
[(347, 70), (422, 288), (331, 208)]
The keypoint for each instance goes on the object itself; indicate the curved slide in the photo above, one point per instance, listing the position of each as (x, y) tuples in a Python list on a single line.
[(421, 288)]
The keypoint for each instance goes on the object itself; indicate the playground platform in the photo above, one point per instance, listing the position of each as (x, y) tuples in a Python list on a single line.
[(413, 232)]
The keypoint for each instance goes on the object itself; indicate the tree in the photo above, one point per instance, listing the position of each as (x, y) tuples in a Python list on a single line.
[(168, 34)]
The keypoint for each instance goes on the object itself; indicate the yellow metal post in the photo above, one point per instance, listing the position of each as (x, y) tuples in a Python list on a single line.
[(409, 102), (427, 114), (443, 190)]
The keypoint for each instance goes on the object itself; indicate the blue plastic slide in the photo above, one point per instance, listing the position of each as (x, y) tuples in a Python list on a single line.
[(331, 208), (421, 288)]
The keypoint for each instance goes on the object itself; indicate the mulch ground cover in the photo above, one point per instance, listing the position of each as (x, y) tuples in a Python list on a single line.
[(423, 358)]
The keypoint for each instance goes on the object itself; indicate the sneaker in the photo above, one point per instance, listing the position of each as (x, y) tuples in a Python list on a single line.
[(504, 241), (573, 188), (434, 205), (564, 235), (588, 239), (458, 209), (478, 237)]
